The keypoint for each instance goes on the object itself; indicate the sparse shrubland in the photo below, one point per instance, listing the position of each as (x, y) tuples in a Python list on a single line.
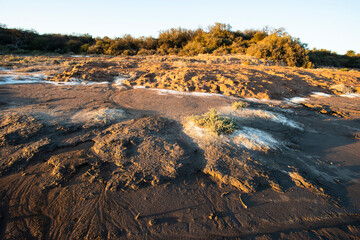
[(323, 57), (218, 39), (214, 122)]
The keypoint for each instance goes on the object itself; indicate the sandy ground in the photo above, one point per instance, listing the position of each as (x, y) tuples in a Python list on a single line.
[(110, 161)]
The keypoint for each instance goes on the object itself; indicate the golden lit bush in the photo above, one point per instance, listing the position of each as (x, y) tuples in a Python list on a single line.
[(281, 47), (218, 36), (174, 38)]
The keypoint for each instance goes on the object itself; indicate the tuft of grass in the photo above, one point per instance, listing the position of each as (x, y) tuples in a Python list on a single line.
[(239, 104), (214, 122)]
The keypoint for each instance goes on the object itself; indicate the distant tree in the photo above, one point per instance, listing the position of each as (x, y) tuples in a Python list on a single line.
[(218, 36), (173, 39), (73, 46), (148, 43), (350, 53)]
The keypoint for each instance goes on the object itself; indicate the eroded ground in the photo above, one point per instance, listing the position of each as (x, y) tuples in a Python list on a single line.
[(232, 75), (110, 161)]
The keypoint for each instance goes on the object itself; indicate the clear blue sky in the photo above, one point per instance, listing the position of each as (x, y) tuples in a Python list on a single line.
[(329, 24)]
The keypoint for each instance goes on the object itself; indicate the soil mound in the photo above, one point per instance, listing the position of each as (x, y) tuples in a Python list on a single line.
[(147, 151), (20, 140), (89, 71)]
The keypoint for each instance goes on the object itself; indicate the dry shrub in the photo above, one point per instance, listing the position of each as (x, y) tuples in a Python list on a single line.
[(281, 47), (214, 122), (239, 104)]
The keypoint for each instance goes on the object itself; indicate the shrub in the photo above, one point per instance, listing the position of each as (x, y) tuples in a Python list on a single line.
[(219, 36), (350, 53), (214, 122), (128, 52), (146, 52), (174, 38), (239, 104), (221, 51), (281, 47)]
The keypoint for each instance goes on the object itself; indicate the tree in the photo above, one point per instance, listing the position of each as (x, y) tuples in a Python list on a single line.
[(350, 53)]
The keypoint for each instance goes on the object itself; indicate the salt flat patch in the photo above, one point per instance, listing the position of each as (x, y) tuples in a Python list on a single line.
[(192, 129), (75, 82), (139, 87), (78, 56), (350, 95), (257, 100), (4, 69), (320, 94), (277, 117), (250, 138), (11, 80), (100, 116), (254, 139), (9, 77), (296, 99), (174, 92), (262, 114), (119, 81), (197, 94)]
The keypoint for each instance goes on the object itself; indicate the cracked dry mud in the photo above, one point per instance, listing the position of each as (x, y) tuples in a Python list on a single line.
[(100, 162)]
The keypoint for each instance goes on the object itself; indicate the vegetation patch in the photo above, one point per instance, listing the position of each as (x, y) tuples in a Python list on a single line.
[(214, 122), (219, 39), (239, 104)]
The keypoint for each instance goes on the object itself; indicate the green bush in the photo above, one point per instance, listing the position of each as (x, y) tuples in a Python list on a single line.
[(239, 104), (214, 122)]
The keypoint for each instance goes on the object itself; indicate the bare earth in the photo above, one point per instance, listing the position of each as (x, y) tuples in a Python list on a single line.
[(116, 160)]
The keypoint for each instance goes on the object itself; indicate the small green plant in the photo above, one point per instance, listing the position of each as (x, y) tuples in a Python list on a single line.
[(239, 104), (214, 122), (344, 69)]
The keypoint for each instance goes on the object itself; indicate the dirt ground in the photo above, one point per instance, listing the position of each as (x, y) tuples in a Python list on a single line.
[(121, 159)]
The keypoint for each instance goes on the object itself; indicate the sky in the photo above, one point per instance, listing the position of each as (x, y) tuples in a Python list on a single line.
[(327, 24)]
